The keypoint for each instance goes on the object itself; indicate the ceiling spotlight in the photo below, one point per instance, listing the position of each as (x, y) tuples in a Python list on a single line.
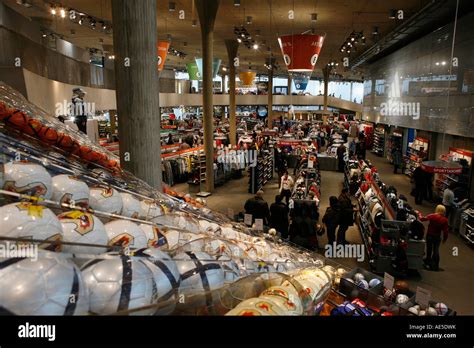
[(443, 63), (53, 11), (352, 38), (236, 2), (375, 31), (194, 23), (103, 25), (92, 23), (171, 6), (44, 35), (392, 14), (62, 13), (224, 68), (249, 19), (255, 46), (314, 17), (81, 20), (239, 40)]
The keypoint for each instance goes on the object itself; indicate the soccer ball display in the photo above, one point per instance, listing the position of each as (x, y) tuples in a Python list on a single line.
[(107, 200), (166, 277), (264, 305), (27, 178), (155, 239), (287, 296), (50, 285), (230, 268), (150, 210), (200, 275), (31, 221), (69, 190), (119, 284), (130, 205), (126, 233), (79, 227)]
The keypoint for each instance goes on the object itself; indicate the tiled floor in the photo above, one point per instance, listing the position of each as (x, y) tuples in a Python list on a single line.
[(454, 285)]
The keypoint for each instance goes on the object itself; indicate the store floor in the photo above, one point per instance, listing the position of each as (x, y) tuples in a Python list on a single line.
[(454, 285)]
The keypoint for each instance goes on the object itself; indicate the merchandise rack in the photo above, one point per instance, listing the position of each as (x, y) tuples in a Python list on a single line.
[(444, 180), (262, 172), (416, 153), (379, 141)]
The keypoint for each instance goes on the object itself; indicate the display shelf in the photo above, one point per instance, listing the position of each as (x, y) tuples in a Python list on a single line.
[(417, 152), (262, 172)]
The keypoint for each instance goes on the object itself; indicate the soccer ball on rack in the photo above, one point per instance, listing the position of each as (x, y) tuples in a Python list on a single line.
[(230, 268), (30, 221), (51, 285), (105, 199), (265, 305), (130, 205), (124, 233), (155, 239), (166, 277), (79, 227), (27, 178), (150, 210), (200, 276), (119, 284), (69, 190)]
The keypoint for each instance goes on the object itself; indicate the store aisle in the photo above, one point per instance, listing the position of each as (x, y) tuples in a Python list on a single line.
[(456, 282)]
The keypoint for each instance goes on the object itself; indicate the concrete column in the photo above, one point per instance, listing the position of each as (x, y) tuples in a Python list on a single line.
[(232, 48), (289, 84), (207, 10), (350, 95), (326, 87), (136, 83), (270, 98), (224, 78)]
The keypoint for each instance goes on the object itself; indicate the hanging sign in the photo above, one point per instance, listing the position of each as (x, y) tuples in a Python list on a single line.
[(193, 71), (216, 64), (441, 167), (300, 83), (247, 77), (301, 52), (162, 51)]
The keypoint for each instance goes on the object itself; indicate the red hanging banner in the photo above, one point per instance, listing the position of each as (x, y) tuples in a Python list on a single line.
[(301, 52)]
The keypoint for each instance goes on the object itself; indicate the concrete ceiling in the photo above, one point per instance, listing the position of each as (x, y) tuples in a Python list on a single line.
[(336, 19)]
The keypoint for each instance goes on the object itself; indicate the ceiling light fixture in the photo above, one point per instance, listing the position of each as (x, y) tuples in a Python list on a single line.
[(249, 20), (171, 6), (62, 13), (255, 46), (314, 17), (375, 31), (236, 2), (81, 20), (194, 23), (239, 40), (53, 11), (392, 14)]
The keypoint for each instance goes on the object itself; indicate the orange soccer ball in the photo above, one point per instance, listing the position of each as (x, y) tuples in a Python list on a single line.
[(33, 127), (65, 142), (16, 119), (48, 135)]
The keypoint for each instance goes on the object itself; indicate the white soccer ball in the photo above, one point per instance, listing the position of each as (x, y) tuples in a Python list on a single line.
[(209, 226), (264, 305), (287, 296), (401, 299), (50, 285), (70, 190), (79, 227), (230, 268), (126, 233), (27, 178), (166, 277), (189, 241), (155, 239), (358, 277), (200, 276), (431, 311), (150, 210), (31, 221), (107, 200), (414, 310), (130, 205), (178, 221), (119, 284)]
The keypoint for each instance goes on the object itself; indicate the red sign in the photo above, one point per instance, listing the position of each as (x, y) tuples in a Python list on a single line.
[(441, 167), (162, 51), (301, 52)]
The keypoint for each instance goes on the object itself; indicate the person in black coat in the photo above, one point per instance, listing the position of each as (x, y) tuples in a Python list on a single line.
[(301, 228), (419, 177), (346, 215), (331, 219), (258, 208), (341, 152), (279, 216)]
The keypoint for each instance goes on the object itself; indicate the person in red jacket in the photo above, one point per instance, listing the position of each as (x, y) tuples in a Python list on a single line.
[(437, 229)]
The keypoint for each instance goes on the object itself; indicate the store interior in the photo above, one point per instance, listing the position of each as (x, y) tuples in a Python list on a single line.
[(229, 157)]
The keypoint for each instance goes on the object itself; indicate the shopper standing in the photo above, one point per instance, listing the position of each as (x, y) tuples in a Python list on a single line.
[(258, 208), (79, 110), (437, 229), (341, 153), (420, 184), (331, 219), (286, 186), (279, 216), (396, 158), (347, 215), (448, 200)]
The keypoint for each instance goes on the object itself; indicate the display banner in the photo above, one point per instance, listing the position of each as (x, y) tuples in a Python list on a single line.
[(300, 83), (193, 71), (300, 52), (216, 64), (162, 51), (247, 77)]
